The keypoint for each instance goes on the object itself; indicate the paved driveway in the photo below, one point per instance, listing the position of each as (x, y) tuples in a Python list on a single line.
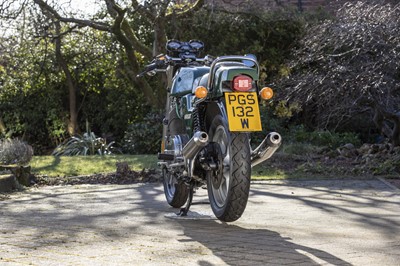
[(286, 223)]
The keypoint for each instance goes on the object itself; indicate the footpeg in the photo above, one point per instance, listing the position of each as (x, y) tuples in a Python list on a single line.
[(166, 157)]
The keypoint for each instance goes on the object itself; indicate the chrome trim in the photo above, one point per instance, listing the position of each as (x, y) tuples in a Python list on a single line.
[(266, 149), (227, 58)]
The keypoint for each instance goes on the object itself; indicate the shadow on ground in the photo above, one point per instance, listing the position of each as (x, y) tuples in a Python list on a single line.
[(61, 215), (240, 246)]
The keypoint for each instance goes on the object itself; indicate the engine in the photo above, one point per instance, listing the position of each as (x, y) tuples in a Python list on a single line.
[(175, 146)]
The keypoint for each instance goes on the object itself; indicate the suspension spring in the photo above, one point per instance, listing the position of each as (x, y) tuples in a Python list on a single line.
[(198, 124), (196, 120)]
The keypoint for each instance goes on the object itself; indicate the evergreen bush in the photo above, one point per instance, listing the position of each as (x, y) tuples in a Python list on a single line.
[(14, 151), (144, 137)]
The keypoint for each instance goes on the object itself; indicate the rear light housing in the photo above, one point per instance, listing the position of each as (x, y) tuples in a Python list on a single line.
[(242, 83)]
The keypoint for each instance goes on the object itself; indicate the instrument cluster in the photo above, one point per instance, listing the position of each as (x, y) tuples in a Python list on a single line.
[(193, 46)]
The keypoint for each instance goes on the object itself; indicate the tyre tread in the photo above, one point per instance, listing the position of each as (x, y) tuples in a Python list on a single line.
[(240, 177), (180, 196)]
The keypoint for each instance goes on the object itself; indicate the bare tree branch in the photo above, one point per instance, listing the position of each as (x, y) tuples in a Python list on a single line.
[(187, 11), (86, 23), (348, 65)]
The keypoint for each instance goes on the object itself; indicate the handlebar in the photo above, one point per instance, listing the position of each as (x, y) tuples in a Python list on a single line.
[(162, 61), (147, 69)]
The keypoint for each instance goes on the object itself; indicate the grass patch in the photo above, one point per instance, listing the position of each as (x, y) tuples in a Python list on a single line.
[(260, 172), (86, 165), (292, 161)]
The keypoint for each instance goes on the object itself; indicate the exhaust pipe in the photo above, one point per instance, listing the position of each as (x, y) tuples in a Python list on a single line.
[(266, 149), (195, 144)]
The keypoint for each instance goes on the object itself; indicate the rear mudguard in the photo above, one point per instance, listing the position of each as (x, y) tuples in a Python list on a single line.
[(213, 109)]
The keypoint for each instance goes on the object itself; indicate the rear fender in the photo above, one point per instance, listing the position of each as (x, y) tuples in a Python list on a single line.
[(213, 109), (225, 68)]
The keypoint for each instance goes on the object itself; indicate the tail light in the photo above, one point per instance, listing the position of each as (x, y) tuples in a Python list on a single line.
[(242, 83)]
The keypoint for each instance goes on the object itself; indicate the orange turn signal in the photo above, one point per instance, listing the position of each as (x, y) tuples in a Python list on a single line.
[(266, 93), (201, 92)]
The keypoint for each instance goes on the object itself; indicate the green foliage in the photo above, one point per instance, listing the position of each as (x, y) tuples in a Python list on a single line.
[(34, 98), (269, 36), (297, 148), (113, 108), (283, 109), (30, 98), (88, 144), (279, 118), (323, 138), (14, 151), (34, 87), (144, 137)]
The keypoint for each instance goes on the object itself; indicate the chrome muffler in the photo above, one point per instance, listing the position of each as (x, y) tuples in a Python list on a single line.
[(266, 149), (194, 145), (192, 148)]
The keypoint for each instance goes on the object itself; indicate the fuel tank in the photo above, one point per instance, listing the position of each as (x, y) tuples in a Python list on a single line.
[(186, 78)]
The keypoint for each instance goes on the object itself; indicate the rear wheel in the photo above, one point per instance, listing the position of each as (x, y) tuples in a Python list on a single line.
[(228, 193), (176, 192)]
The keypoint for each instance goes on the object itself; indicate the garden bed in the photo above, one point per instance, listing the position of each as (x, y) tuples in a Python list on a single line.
[(132, 177)]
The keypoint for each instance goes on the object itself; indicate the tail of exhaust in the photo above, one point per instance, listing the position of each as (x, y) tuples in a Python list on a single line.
[(195, 144), (266, 149)]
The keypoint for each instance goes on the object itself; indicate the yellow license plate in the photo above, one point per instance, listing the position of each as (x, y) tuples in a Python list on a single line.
[(243, 111)]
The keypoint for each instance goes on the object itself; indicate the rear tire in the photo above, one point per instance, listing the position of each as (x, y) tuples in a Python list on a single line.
[(176, 192), (228, 197)]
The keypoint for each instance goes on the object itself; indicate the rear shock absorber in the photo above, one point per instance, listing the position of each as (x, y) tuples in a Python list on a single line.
[(198, 123), (196, 120)]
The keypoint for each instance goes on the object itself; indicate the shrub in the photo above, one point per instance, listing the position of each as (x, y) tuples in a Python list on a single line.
[(144, 137), (299, 149), (15, 152), (88, 144), (324, 138), (345, 71)]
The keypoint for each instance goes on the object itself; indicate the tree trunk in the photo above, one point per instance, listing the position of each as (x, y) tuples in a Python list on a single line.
[(2, 126), (73, 120), (396, 130), (126, 36)]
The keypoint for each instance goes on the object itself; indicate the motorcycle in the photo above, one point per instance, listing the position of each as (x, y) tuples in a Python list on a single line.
[(212, 107)]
